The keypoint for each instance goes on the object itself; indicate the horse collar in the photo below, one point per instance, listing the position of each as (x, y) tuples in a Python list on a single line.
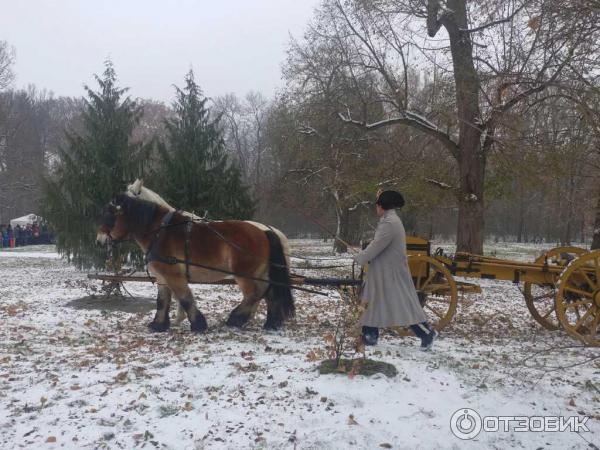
[(151, 253)]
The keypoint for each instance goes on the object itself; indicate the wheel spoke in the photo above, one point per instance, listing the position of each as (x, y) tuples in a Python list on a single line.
[(578, 291), (595, 322), (577, 304), (418, 278), (439, 298), (588, 280), (441, 316), (429, 279), (436, 287), (545, 316), (582, 319), (540, 297)]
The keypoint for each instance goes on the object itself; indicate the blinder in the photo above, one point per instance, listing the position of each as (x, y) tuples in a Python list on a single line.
[(109, 215)]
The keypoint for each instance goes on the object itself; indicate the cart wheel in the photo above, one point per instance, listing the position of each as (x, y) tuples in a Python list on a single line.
[(436, 289), (578, 298), (539, 298)]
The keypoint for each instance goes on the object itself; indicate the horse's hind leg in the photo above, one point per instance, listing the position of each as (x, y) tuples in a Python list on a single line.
[(163, 302), (197, 320), (275, 316), (253, 291)]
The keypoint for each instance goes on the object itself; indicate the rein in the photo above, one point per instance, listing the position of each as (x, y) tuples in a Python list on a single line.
[(151, 255)]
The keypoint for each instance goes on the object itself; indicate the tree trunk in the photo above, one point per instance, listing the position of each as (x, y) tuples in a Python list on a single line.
[(343, 216), (471, 157), (469, 236), (568, 230), (596, 233), (521, 228)]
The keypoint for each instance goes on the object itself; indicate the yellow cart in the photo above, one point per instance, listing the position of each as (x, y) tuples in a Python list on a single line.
[(561, 287)]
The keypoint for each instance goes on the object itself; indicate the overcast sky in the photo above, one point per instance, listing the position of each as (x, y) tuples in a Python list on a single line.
[(232, 45)]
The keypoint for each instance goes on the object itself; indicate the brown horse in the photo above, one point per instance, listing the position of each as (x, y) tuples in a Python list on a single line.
[(179, 250)]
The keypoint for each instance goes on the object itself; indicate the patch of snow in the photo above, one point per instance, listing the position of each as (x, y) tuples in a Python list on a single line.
[(94, 378)]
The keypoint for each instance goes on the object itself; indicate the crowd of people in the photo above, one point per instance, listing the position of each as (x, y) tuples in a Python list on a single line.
[(18, 236)]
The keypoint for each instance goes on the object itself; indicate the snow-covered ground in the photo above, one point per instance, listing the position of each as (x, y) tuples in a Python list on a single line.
[(96, 378)]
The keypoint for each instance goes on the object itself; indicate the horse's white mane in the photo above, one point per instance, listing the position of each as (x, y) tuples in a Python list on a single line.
[(138, 190)]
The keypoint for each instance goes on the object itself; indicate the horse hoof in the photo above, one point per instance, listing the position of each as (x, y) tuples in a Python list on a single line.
[(237, 321), (199, 325), (272, 326), (158, 327)]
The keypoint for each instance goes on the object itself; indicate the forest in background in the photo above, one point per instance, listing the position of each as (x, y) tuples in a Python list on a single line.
[(372, 100)]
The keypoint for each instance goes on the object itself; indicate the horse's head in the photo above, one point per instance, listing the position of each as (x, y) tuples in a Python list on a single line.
[(112, 224), (123, 217)]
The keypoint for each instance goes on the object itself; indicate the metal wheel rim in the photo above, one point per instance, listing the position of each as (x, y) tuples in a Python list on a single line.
[(542, 305), (578, 299)]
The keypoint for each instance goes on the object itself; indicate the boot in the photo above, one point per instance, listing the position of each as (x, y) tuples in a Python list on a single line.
[(370, 335), (425, 333)]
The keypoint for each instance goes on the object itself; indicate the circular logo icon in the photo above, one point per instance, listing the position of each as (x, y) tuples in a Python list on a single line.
[(465, 423)]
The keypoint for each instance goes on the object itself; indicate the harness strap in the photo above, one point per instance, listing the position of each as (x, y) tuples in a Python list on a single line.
[(188, 230), (173, 260), (151, 254)]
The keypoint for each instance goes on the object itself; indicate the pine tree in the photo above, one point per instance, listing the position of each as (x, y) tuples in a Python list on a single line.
[(91, 169), (195, 172)]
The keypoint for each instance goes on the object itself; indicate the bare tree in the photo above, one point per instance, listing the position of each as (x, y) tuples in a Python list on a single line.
[(244, 123), (27, 131), (7, 59), (499, 56)]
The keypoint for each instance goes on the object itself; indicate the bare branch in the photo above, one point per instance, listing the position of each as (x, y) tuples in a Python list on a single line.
[(495, 22), (440, 184), (411, 119)]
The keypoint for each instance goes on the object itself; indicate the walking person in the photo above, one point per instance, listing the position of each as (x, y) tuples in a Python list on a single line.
[(389, 289)]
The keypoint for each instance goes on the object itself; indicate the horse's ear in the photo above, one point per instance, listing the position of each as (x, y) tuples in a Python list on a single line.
[(136, 187)]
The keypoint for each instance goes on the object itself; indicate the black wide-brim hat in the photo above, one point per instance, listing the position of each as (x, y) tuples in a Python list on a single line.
[(390, 199)]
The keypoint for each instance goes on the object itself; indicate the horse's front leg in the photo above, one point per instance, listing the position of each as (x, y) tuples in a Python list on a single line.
[(163, 303), (180, 314), (187, 303)]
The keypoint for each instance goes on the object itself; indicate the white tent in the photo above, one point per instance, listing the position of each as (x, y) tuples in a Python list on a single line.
[(25, 220)]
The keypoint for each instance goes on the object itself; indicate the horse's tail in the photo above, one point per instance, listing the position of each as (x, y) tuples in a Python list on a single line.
[(279, 292)]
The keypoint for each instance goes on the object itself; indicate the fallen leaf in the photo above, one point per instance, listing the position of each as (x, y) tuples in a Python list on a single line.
[(121, 377), (534, 22)]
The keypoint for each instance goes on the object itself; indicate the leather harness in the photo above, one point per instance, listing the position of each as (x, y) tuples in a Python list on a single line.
[(152, 255)]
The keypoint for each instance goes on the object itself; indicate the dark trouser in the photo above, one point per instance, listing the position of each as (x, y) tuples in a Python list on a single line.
[(373, 331), (420, 330), (423, 331)]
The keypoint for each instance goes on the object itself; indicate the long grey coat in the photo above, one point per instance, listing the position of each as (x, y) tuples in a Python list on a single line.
[(389, 288)]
